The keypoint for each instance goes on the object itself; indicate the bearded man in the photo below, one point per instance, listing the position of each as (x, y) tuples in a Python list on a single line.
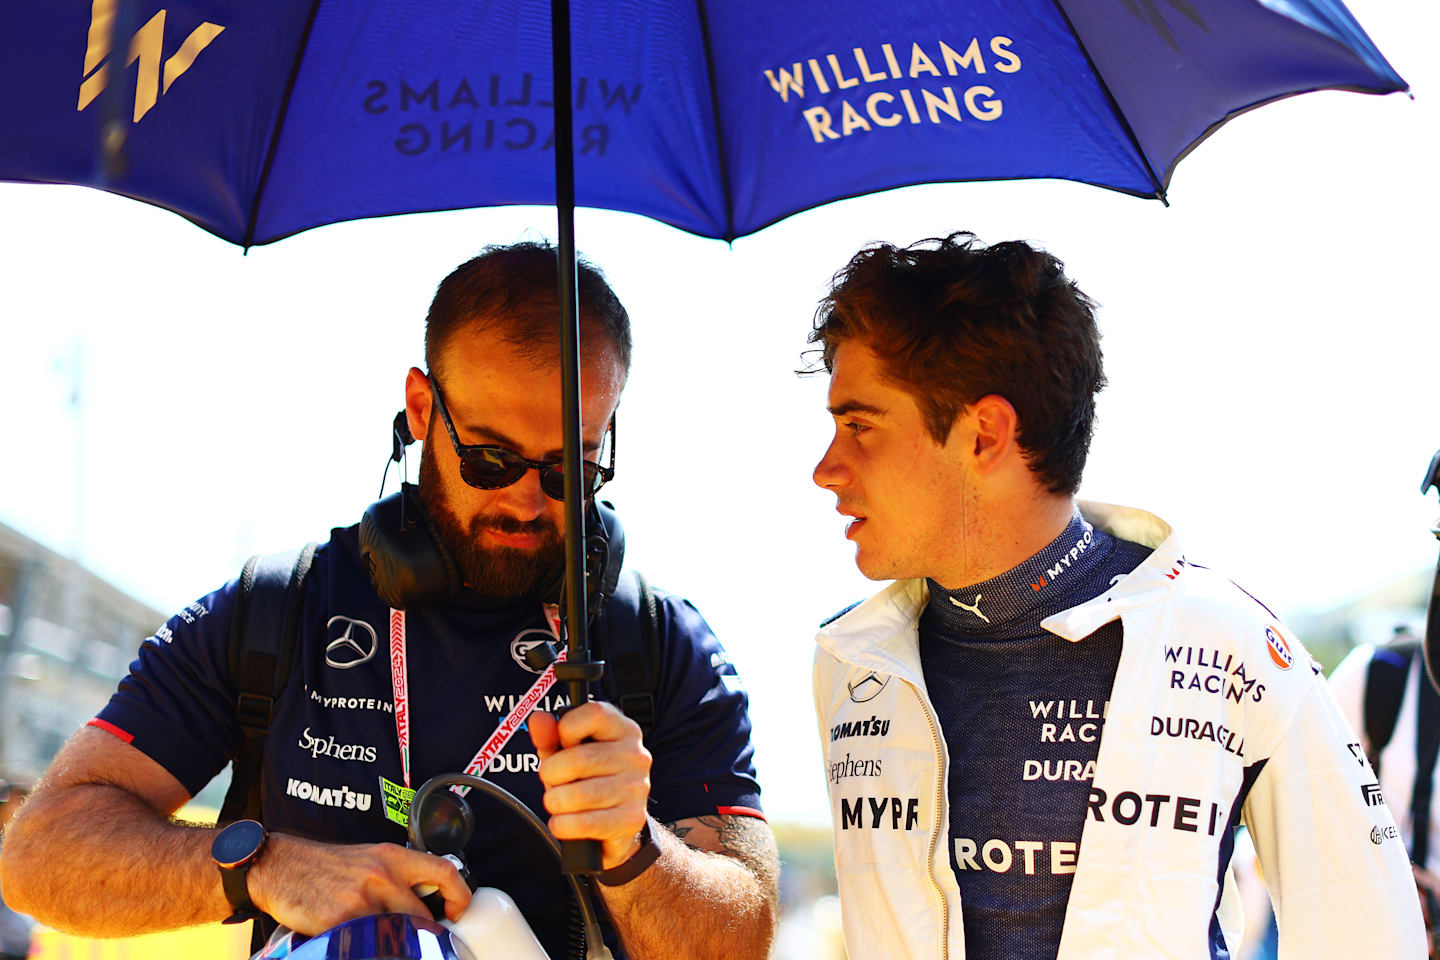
[(690, 864)]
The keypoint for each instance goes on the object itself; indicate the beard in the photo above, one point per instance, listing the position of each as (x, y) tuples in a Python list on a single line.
[(500, 572)]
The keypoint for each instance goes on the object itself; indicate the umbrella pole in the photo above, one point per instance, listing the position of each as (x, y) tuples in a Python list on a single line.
[(576, 856)]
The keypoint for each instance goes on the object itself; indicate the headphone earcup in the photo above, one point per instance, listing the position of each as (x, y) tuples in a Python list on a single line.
[(604, 517), (407, 563), (604, 556)]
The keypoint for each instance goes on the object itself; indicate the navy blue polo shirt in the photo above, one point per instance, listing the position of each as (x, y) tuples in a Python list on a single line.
[(333, 735)]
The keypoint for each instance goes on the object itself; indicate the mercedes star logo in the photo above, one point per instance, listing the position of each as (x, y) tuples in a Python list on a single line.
[(349, 650), (867, 688)]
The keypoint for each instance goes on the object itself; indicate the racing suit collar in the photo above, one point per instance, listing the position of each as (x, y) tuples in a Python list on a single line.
[(882, 633), (1148, 583)]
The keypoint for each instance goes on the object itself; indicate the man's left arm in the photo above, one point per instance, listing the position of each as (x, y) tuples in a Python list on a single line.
[(714, 890), (1329, 849)]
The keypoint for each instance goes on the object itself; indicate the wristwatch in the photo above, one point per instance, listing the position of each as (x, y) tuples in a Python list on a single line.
[(235, 850)]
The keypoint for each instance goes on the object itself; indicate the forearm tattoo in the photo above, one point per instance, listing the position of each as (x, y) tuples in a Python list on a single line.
[(744, 838)]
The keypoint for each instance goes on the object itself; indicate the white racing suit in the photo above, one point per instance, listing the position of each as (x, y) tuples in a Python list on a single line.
[(1217, 716)]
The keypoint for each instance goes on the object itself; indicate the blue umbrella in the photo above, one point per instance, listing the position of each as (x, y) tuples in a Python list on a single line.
[(259, 119)]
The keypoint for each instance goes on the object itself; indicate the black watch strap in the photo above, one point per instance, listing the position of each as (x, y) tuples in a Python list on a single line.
[(638, 863), (237, 891), (235, 849)]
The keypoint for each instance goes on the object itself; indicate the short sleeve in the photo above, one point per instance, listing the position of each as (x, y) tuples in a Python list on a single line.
[(703, 761), (177, 704)]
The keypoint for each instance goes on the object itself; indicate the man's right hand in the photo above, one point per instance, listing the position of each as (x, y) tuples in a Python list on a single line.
[(93, 852), (310, 886)]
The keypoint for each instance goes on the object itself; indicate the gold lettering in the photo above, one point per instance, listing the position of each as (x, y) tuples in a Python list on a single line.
[(864, 64), (145, 47), (787, 81), (91, 88), (970, 59), (890, 59), (919, 63), (841, 81), (884, 120), (819, 120), (102, 22), (850, 119), (935, 104), (1000, 46), (910, 110), (97, 48), (184, 58), (993, 108), (821, 83)]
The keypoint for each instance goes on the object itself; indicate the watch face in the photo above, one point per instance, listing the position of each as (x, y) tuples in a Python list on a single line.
[(237, 843)]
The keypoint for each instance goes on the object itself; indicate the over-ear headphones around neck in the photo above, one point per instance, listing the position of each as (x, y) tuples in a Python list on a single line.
[(604, 556), (403, 554), (409, 565)]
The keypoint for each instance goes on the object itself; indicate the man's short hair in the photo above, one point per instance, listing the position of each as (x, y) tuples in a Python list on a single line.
[(514, 289), (953, 320)]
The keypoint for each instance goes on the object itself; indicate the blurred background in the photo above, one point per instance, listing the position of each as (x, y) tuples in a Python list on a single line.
[(1270, 339)]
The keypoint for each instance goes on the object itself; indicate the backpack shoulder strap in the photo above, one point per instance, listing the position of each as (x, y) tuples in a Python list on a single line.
[(1427, 751), (1384, 686), (261, 651), (630, 629)]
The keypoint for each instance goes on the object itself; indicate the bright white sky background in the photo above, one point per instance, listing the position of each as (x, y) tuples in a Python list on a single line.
[(1271, 342)]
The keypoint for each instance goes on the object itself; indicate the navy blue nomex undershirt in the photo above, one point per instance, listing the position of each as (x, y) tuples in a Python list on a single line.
[(1022, 710)]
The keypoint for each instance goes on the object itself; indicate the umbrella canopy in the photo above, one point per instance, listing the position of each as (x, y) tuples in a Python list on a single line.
[(258, 120)]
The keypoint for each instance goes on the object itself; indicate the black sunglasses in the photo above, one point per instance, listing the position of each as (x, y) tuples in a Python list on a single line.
[(490, 467)]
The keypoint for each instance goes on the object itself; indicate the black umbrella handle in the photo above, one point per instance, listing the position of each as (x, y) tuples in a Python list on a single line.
[(576, 856), (1432, 615)]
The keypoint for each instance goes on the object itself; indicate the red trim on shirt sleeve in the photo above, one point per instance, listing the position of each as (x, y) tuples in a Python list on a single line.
[(109, 727), (741, 812)]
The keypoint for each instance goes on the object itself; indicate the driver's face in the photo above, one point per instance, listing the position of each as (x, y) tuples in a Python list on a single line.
[(498, 395)]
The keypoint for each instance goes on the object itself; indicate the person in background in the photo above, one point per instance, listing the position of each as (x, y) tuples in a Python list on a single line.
[(1389, 700)]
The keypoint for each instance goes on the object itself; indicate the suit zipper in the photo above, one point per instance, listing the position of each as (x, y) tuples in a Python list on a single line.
[(936, 830)]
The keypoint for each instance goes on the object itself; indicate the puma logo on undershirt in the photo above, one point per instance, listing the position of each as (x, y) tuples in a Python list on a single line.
[(972, 607)]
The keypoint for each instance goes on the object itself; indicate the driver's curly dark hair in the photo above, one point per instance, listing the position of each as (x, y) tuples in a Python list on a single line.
[(953, 320)]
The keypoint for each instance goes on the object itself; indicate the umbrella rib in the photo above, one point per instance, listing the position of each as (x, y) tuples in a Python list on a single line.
[(279, 126), (715, 110), (1114, 104)]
